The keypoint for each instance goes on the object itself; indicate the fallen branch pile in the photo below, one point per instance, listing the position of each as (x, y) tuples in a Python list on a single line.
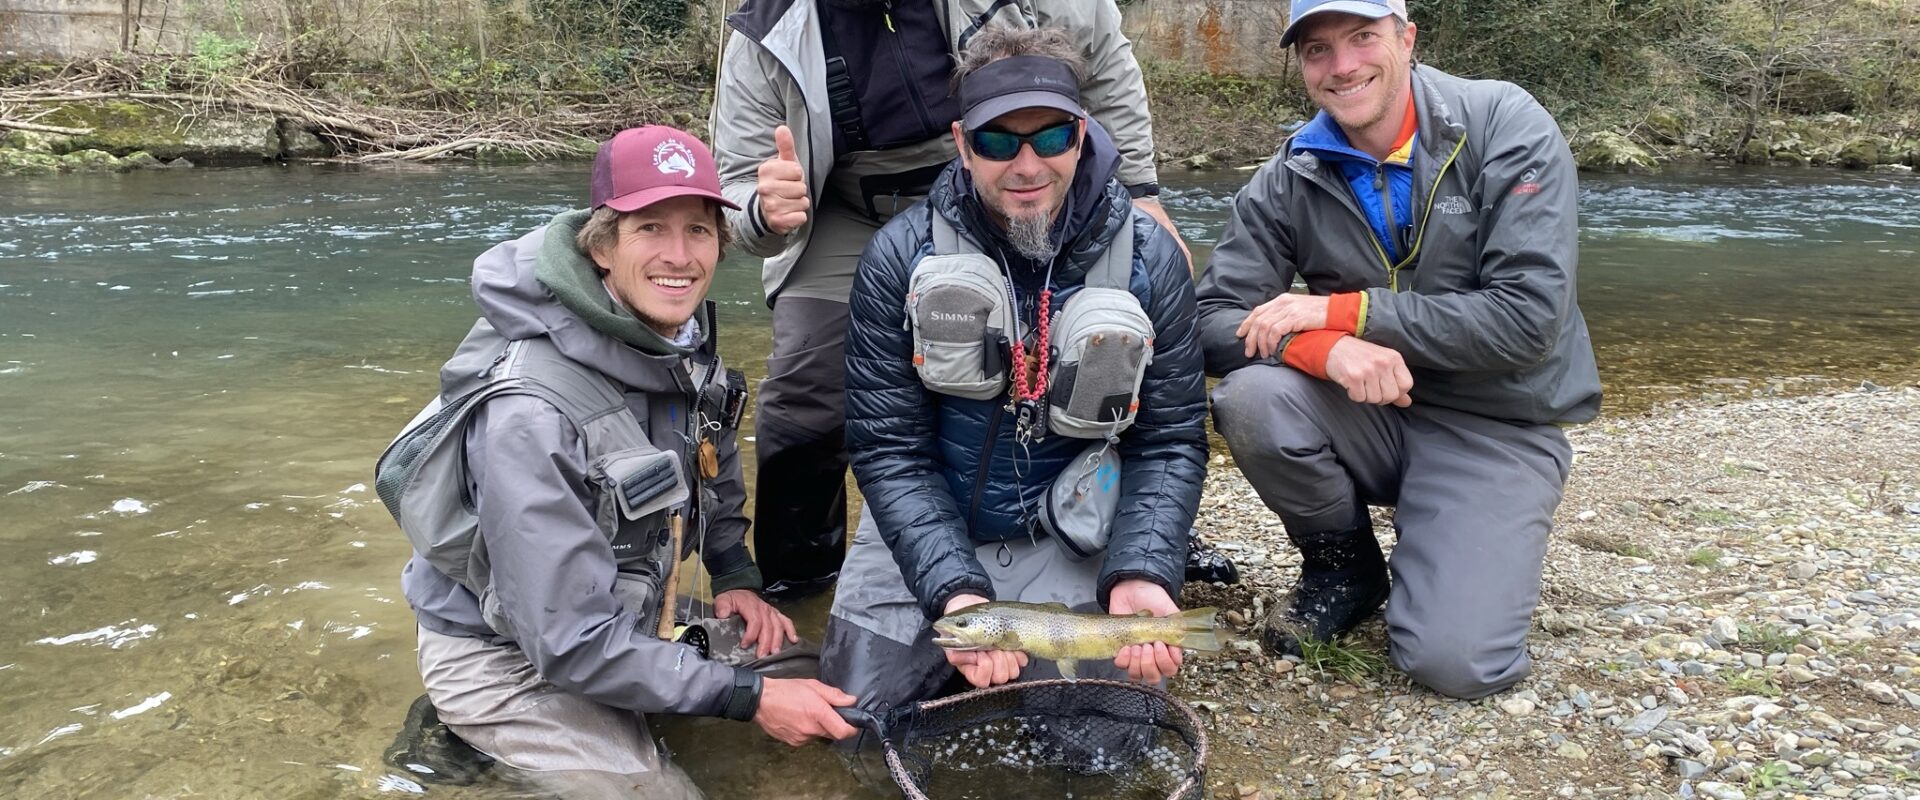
[(553, 124)]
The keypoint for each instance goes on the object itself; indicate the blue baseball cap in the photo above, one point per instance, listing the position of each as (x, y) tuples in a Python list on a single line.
[(1371, 9)]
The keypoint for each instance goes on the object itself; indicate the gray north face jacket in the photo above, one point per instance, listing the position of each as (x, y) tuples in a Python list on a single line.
[(1483, 309), (555, 585), (773, 73)]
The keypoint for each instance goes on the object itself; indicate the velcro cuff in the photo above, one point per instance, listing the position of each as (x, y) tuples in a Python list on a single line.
[(744, 701)]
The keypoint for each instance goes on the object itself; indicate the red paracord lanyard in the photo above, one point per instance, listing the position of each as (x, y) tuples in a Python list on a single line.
[(1021, 391)]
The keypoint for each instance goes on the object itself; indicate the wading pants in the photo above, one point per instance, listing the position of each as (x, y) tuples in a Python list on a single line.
[(562, 744), (879, 645), (800, 499), (1473, 499)]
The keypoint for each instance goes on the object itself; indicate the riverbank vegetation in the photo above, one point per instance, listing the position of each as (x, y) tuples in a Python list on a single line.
[(1634, 83)]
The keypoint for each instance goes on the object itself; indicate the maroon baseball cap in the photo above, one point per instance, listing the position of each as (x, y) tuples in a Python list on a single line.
[(642, 166)]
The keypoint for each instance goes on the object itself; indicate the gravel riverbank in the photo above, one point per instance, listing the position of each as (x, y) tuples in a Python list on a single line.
[(1730, 610)]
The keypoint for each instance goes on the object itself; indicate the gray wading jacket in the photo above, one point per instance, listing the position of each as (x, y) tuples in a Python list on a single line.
[(1483, 309), (773, 73), (555, 582)]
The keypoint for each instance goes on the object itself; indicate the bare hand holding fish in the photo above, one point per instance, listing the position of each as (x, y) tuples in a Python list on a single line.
[(1145, 645)]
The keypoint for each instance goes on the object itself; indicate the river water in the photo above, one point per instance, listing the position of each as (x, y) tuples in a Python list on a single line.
[(200, 592)]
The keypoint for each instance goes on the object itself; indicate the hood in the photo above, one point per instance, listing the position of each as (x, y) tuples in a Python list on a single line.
[(1096, 206), (756, 18), (519, 306)]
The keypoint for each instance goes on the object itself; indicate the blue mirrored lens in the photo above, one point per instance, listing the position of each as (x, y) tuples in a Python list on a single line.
[(1004, 146)]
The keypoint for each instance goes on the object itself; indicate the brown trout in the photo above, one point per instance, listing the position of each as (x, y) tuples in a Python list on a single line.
[(1065, 637)]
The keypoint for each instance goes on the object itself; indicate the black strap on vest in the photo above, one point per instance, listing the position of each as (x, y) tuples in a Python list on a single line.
[(843, 100)]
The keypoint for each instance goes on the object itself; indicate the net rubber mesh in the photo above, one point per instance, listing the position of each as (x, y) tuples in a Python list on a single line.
[(1048, 739)]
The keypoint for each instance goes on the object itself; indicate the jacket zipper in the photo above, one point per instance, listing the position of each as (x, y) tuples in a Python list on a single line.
[(1393, 270), (986, 461), (900, 62), (1385, 194)]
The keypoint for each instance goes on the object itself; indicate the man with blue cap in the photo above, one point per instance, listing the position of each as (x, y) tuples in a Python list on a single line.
[(1430, 365)]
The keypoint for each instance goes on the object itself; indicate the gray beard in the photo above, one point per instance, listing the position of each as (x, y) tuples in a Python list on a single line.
[(1032, 236)]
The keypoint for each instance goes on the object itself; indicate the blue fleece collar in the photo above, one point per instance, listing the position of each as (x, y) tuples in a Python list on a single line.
[(1324, 138)]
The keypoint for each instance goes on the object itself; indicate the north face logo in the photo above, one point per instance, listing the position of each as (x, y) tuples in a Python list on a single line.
[(670, 156), (1453, 204)]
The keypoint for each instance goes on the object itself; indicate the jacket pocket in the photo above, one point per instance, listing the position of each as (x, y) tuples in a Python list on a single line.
[(640, 481)]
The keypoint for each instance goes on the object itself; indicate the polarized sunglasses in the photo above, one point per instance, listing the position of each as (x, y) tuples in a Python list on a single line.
[(1003, 146)]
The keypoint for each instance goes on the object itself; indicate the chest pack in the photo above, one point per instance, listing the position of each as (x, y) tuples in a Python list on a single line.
[(962, 321), (423, 480)]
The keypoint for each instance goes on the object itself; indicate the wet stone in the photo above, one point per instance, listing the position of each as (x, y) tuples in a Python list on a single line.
[(1517, 706), (1720, 791), (1723, 631), (1645, 722)]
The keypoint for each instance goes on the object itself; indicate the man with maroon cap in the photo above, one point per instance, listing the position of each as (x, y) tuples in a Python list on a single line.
[(581, 447)]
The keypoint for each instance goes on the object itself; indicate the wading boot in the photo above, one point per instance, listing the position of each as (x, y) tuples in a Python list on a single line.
[(1343, 581), (1207, 565), (428, 752)]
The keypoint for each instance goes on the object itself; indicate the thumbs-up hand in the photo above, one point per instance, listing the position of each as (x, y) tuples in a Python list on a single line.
[(782, 186)]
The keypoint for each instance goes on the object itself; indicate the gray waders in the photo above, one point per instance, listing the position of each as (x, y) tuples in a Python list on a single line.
[(1473, 498)]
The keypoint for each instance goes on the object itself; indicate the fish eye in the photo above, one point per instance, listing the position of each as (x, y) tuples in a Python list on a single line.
[(962, 623)]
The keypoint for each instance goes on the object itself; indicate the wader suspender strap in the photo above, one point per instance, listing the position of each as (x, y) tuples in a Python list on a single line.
[(843, 100)]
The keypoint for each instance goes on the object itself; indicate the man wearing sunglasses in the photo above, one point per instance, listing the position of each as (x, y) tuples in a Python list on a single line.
[(955, 480), (1430, 365), (829, 117)]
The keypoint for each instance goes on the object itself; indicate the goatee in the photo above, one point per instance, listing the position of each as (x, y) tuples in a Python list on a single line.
[(1032, 236)]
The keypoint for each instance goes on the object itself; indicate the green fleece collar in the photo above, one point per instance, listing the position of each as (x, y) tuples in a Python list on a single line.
[(574, 280)]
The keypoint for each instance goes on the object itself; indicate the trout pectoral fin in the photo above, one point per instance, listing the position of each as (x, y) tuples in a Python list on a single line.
[(1068, 668)]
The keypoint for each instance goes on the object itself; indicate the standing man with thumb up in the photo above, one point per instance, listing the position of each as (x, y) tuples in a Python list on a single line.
[(830, 117)]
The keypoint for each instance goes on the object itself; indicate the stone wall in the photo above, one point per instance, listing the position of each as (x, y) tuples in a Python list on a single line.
[(1221, 36)]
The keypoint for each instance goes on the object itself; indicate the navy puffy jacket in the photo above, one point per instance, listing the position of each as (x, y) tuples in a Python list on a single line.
[(918, 454)]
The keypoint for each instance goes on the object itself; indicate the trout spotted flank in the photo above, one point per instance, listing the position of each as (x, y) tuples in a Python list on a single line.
[(1057, 634)]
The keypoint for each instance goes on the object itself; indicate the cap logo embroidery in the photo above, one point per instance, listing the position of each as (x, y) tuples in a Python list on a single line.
[(670, 156)]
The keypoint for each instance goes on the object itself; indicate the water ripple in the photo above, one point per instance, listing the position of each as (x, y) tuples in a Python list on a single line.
[(113, 636)]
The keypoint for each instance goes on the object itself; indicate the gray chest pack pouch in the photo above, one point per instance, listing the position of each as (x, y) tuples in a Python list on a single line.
[(1102, 342), (422, 477), (958, 313)]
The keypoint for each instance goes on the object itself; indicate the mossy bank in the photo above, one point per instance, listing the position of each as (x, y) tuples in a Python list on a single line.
[(1635, 85)]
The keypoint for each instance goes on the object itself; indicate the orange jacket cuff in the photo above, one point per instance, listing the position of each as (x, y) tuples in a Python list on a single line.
[(1307, 351), (1346, 312)]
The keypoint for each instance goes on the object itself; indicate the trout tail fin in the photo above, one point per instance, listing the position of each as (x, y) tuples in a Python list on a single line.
[(1199, 630)]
